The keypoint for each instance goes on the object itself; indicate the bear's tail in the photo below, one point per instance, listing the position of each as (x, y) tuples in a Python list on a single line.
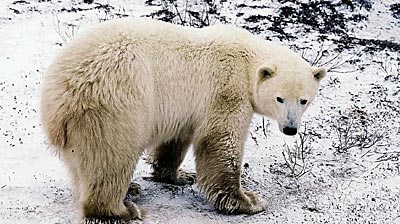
[(55, 123), (56, 112)]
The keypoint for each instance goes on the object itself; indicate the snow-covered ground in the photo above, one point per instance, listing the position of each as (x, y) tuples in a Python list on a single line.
[(360, 45)]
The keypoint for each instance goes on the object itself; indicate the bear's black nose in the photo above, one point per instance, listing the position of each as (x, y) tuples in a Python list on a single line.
[(289, 131)]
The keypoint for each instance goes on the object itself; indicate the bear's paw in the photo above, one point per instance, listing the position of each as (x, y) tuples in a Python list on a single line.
[(244, 202)]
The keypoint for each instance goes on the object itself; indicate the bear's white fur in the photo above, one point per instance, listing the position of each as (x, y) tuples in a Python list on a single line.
[(135, 84)]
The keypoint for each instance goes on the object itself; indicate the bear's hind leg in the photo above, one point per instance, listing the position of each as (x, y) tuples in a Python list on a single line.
[(167, 158), (104, 184), (103, 159)]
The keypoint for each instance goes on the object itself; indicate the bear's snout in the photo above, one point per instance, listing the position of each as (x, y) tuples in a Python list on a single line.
[(289, 131)]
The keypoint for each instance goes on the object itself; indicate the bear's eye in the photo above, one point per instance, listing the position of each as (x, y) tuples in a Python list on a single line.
[(303, 102), (280, 100)]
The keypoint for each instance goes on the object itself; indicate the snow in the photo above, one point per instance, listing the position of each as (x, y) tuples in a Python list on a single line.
[(351, 187)]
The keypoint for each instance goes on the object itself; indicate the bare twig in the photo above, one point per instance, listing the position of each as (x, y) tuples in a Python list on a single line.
[(65, 30), (190, 13), (324, 58), (353, 130), (264, 127), (296, 157)]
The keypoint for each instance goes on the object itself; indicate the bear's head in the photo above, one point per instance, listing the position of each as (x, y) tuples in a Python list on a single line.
[(284, 91)]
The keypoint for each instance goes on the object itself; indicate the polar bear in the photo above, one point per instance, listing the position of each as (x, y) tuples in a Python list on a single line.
[(131, 85)]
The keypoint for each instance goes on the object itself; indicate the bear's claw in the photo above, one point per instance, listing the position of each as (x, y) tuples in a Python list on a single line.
[(134, 189), (246, 202), (185, 178), (258, 204), (182, 178), (134, 211)]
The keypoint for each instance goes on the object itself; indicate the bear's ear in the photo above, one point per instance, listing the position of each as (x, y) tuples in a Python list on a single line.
[(266, 72), (319, 73)]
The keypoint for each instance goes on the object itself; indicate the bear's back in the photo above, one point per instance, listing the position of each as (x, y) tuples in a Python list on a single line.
[(175, 71)]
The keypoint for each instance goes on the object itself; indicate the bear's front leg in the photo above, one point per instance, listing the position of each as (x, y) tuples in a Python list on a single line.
[(218, 162)]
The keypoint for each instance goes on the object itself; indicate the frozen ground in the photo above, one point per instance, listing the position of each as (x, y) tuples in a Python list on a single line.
[(357, 181)]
